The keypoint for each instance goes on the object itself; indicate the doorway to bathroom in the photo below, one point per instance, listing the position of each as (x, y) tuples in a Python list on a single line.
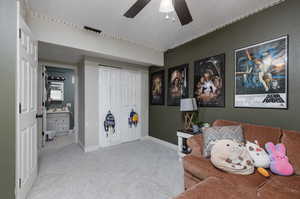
[(58, 105)]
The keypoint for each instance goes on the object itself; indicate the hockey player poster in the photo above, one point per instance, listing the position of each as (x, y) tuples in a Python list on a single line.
[(261, 75)]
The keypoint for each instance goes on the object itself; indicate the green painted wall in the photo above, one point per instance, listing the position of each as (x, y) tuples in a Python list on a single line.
[(269, 24), (8, 55)]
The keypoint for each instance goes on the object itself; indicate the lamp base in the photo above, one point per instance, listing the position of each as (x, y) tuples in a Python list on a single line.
[(188, 118)]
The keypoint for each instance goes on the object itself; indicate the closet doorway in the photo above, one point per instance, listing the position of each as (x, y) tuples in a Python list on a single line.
[(120, 93)]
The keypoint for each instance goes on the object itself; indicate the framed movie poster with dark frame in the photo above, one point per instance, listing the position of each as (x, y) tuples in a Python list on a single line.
[(157, 88), (209, 81), (178, 84), (261, 75)]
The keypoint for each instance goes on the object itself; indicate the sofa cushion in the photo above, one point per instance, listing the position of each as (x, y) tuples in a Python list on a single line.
[(190, 180), (225, 123), (217, 188), (202, 169), (291, 140), (280, 187), (213, 134), (262, 134)]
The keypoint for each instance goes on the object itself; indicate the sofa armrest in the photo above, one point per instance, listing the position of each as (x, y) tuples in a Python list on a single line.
[(196, 144)]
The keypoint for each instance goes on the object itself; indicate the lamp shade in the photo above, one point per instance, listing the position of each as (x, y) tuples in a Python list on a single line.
[(166, 6), (188, 104)]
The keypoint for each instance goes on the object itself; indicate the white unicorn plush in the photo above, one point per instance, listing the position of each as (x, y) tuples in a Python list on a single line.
[(259, 156)]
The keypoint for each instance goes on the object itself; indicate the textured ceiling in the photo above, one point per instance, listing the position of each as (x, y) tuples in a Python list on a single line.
[(149, 28)]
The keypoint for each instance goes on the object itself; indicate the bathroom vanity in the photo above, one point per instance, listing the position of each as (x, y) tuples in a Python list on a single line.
[(58, 121)]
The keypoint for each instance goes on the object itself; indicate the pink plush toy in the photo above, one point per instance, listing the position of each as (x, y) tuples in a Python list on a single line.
[(279, 161)]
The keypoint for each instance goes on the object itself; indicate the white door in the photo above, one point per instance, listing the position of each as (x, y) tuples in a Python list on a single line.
[(120, 93), (131, 100), (26, 137), (109, 100), (43, 104)]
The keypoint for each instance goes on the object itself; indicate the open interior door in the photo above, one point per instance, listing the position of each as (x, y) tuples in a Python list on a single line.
[(44, 99), (26, 135)]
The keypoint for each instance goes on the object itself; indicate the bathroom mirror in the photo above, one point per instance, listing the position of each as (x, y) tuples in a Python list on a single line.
[(56, 91)]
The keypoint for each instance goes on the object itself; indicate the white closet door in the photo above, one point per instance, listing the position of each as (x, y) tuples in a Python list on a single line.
[(115, 106), (104, 104), (131, 95), (119, 92), (109, 100), (136, 131)]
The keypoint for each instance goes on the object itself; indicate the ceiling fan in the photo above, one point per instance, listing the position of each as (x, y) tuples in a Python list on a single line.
[(166, 6)]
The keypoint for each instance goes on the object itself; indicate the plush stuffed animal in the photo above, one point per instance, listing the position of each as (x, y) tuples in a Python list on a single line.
[(279, 161), (232, 157), (263, 172), (258, 155)]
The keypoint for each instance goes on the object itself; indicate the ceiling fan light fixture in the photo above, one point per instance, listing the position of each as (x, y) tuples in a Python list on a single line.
[(166, 6)]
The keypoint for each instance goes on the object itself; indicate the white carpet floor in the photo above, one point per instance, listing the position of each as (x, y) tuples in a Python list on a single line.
[(135, 170)]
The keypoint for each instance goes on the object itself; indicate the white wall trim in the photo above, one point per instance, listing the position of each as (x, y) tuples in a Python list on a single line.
[(159, 141), (220, 26), (89, 148), (81, 145), (69, 35), (162, 142)]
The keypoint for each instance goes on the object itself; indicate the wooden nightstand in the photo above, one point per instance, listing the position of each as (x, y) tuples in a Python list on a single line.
[(183, 149)]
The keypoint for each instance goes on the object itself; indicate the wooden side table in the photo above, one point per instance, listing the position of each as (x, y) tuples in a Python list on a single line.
[(183, 149)]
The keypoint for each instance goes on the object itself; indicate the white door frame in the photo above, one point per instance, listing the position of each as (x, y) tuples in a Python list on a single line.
[(76, 108)]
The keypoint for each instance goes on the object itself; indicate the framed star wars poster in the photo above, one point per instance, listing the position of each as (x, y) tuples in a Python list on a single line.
[(209, 81), (178, 84), (261, 75), (157, 88)]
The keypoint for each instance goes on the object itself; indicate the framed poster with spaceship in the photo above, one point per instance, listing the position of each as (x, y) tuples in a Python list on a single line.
[(178, 84), (157, 88), (209, 81), (261, 75)]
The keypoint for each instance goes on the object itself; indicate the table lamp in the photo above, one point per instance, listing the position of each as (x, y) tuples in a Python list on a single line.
[(188, 106)]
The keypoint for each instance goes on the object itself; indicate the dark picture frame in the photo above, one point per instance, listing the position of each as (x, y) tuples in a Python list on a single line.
[(178, 84), (209, 81), (157, 88), (261, 75)]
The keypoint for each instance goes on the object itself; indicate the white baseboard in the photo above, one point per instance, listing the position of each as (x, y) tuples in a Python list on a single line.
[(81, 145), (89, 148), (162, 142), (159, 141)]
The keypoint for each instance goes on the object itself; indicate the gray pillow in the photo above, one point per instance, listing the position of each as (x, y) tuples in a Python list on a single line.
[(213, 134)]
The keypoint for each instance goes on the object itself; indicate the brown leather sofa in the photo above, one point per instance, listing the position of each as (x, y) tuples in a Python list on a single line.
[(203, 181)]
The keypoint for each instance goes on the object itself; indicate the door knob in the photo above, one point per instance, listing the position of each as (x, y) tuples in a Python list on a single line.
[(39, 116)]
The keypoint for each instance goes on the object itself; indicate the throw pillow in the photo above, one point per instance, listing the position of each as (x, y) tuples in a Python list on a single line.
[(232, 157), (213, 134), (258, 155)]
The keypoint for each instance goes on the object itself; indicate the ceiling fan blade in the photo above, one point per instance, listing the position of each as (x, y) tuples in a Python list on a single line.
[(136, 8), (183, 12)]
